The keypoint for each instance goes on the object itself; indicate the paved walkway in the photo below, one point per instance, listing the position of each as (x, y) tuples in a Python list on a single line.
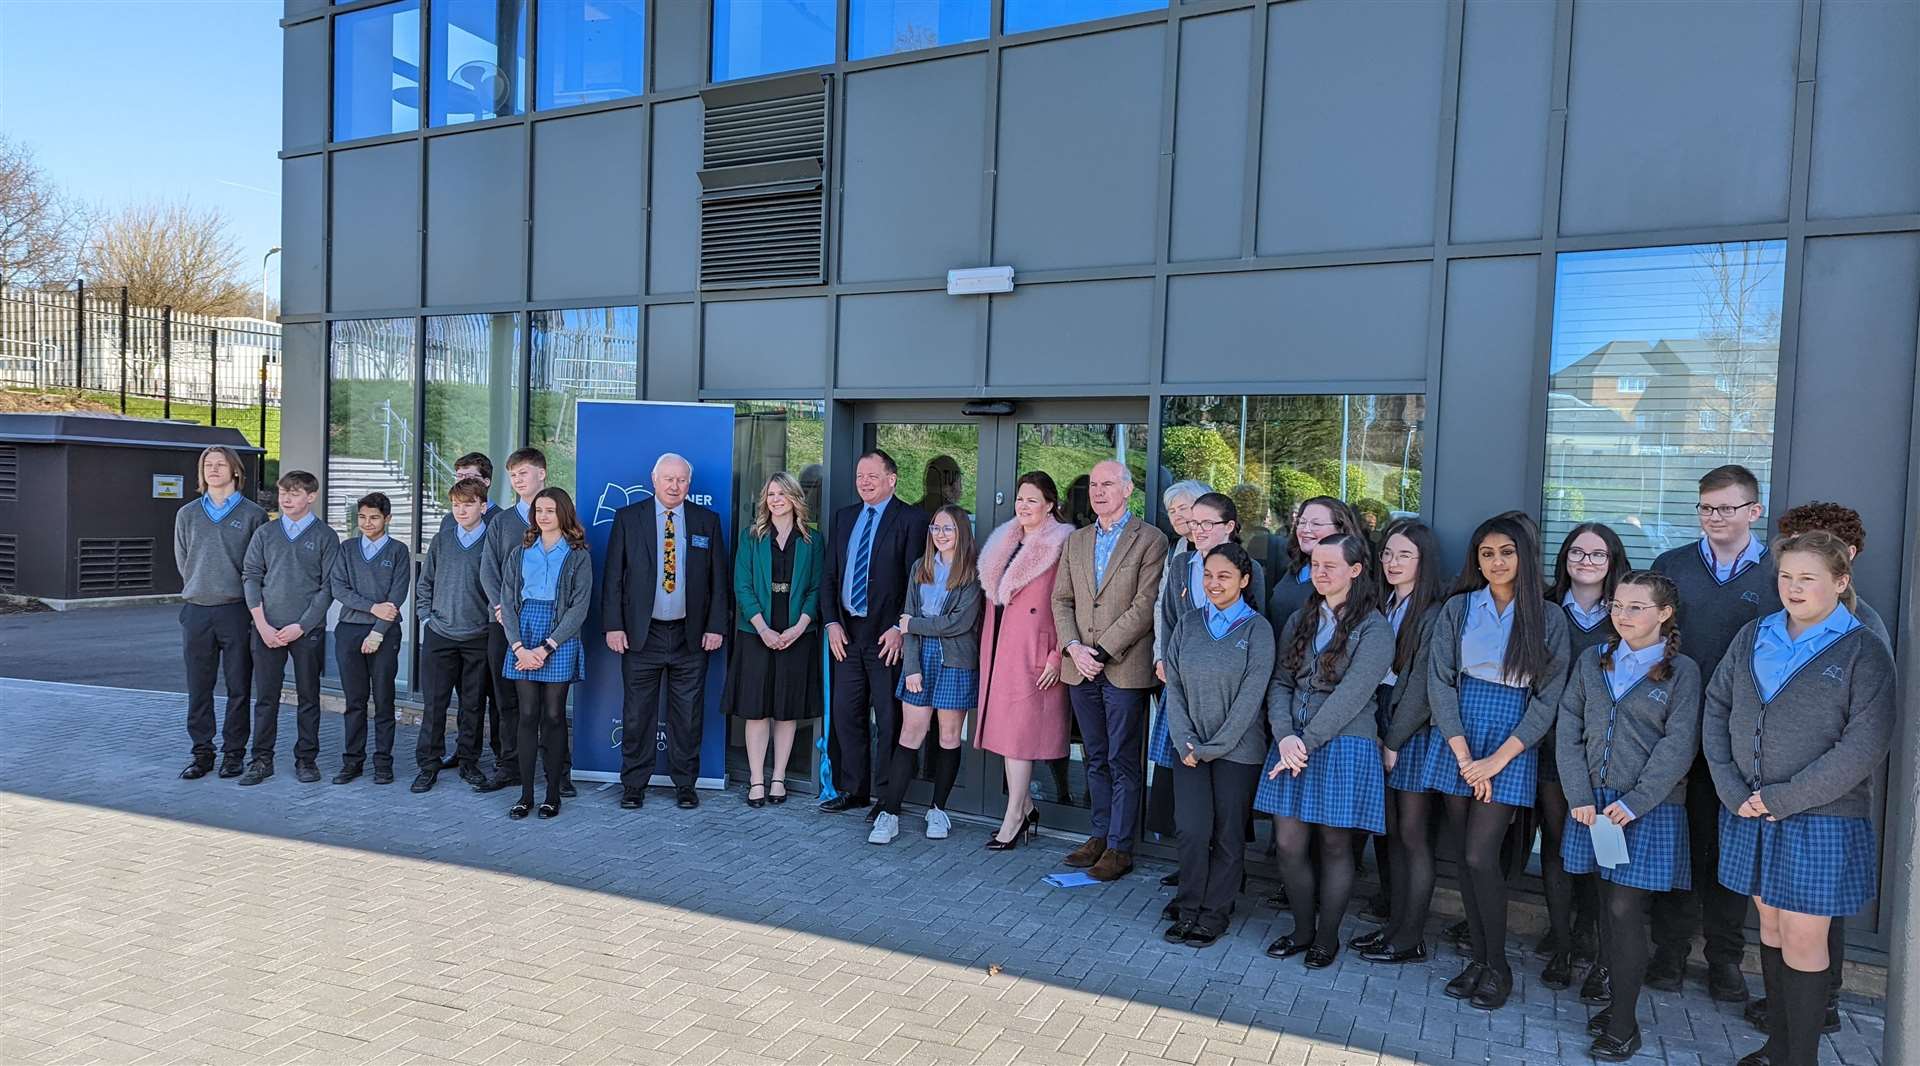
[(148, 919)]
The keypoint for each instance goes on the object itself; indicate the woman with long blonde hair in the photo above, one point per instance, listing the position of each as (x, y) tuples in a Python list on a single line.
[(773, 675)]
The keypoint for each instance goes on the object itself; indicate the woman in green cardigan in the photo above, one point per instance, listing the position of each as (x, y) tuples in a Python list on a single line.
[(773, 676)]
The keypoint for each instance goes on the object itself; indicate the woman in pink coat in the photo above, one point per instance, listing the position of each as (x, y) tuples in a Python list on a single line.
[(1023, 706)]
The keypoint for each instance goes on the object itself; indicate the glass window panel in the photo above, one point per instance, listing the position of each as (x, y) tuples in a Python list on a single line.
[(472, 375), (578, 354), (766, 36), (883, 27), (1664, 365), (479, 60), (370, 441), (1272, 452), (376, 71), (1024, 15), (939, 461), (590, 50)]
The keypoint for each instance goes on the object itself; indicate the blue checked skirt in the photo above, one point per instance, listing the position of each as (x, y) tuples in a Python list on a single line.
[(536, 624), (1410, 768), (1159, 744), (1658, 857), (941, 688), (1818, 864), (1489, 712), (1343, 786)]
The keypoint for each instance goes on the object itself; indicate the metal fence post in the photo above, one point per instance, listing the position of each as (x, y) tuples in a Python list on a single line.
[(213, 376), (166, 361), (263, 397), (124, 313), (79, 334)]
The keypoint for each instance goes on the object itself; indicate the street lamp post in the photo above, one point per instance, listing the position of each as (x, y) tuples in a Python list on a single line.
[(271, 252)]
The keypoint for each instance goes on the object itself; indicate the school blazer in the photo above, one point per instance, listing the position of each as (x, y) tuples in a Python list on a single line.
[(1117, 617), (633, 575), (898, 543), (956, 627), (753, 580)]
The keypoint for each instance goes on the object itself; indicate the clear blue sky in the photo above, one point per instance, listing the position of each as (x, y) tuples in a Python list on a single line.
[(123, 100)]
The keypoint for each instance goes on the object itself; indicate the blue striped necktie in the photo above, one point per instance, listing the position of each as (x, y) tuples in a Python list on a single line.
[(862, 552)]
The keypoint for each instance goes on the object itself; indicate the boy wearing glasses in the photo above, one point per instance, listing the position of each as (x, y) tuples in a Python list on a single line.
[(1723, 586)]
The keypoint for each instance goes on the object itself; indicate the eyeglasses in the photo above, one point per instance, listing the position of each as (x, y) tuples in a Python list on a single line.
[(1206, 525), (1707, 510), (1580, 555), (1315, 524), (1400, 557), (1630, 610), (943, 530)]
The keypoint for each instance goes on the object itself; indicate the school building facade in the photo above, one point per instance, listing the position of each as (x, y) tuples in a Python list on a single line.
[(1442, 257)]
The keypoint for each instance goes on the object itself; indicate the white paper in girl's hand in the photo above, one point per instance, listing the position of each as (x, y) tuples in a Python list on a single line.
[(1609, 844)]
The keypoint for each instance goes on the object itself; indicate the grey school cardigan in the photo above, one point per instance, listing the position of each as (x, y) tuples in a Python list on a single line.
[(1655, 727), (571, 596), (1443, 674), (1814, 747), (1408, 704), (1342, 708), (956, 627), (1175, 598), (1215, 689)]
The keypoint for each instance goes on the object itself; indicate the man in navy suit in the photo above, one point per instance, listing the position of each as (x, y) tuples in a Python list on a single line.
[(863, 591), (663, 600)]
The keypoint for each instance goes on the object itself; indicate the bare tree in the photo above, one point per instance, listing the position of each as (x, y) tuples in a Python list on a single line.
[(170, 253), (1738, 284), (40, 227)]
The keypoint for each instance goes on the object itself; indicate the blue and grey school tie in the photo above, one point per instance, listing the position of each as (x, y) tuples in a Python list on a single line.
[(862, 553)]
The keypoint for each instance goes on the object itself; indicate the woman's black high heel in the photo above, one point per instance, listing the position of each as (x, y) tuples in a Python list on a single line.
[(519, 811), (755, 803), (781, 797), (1024, 835)]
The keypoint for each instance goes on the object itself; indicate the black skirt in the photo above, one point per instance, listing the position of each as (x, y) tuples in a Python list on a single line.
[(781, 685)]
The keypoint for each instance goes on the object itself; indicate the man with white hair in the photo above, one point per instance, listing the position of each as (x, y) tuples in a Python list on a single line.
[(663, 601)]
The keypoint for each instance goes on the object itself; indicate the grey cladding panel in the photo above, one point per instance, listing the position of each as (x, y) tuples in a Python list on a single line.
[(1092, 332), (1500, 145), (673, 245), (476, 217), (303, 225), (770, 344), (375, 229), (914, 173), (1486, 394), (297, 8), (1679, 114), (1079, 151), (909, 339), (1210, 135), (589, 220), (672, 367), (1324, 324), (1854, 384), (303, 426), (303, 86), (679, 43), (1347, 152), (1866, 110)]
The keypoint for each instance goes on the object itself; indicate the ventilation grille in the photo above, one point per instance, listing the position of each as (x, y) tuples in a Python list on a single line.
[(9, 472), (110, 565), (763, 200), (9, 561)]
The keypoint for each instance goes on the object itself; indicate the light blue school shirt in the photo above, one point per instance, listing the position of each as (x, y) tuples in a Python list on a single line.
[(1748, 556), (371, 548), (1585, 618), (540, 568), (1396, 614), (1220, 623), (294, 529), (1483, 638), (219, 512), (1777, 656), (467, 537), (933, 597), (1630, 666)]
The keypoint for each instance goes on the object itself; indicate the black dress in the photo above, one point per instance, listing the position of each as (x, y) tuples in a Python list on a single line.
[(781, 685)]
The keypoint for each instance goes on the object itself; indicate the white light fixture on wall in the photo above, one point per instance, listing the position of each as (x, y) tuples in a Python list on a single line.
[(976, 281)]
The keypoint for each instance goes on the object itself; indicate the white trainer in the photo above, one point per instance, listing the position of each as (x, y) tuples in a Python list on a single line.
[(938, 824), (885, 828)]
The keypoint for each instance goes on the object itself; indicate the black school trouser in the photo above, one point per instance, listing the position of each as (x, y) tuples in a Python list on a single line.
[(452, 666), (363, 676), (1710, 908), (1210, 809), (506, 700), (664, 659), (865, 712), (308, 654), (215, 642)]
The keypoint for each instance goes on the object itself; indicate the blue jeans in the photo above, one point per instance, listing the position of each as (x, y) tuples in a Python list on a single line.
[(1110, 732)]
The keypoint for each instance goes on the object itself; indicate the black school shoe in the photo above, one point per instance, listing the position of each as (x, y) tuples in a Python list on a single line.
[(347, 773), (383, 775), (1598, 987), (1177, 932), (500, 779), (197, 769), (232, 766), (567, 791), (1199, 936), (1614, 1049), (632, 799), (470, 773), (1492, 990), (306, 771), (1756, 1014), (258, 772), (1725, 982), (424, 782), (1463, 984), (1558, 973), (1667, 972)]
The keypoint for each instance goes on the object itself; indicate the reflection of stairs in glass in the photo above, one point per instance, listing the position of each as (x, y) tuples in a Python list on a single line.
[(348, 479)]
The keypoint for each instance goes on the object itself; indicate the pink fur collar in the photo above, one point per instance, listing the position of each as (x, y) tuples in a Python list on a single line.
[(1002, 574)]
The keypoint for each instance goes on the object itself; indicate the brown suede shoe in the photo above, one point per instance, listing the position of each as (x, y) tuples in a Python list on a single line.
[(1113, 865), (1087, 854)]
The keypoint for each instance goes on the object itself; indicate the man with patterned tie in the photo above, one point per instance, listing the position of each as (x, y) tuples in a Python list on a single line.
[(863, 591), (663, 600)]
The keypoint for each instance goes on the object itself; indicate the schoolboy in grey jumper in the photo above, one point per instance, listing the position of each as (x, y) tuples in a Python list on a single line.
[(210, 538), (527, 473), (285, 577), (372, 574), (455, 621)]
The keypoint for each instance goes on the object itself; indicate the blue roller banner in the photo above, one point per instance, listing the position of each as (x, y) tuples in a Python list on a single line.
[(619, 440)]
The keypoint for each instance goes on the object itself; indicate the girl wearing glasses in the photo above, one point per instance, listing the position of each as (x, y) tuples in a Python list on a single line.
[(1410, 561), (1318, 518), (1591, 563), (1629, 727), (1798, 717), (1498, 663), (940, 675)]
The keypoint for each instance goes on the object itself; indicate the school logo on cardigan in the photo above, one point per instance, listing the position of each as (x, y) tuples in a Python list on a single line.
[(310, 546), (1658, 695), (1750, 596), (238, 523), (1834, 673), (1241, 644)]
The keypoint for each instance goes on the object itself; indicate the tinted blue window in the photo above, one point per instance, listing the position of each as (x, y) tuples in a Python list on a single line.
[(479, 60), (883, 27), (590, 50), (764, 36), (376, 71), (1024, 15)]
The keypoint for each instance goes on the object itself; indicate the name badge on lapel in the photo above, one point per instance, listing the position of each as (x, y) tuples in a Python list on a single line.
[(699, 541)]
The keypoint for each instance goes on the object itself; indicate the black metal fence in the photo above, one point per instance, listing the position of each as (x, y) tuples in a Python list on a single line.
[(146, 360)]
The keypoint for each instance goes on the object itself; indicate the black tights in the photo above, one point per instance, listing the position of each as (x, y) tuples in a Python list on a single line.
[(1316, 890), (944, 762), (543, 718), (1570, 899), (1412, 869), (1479, 828), (1625, 919)]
